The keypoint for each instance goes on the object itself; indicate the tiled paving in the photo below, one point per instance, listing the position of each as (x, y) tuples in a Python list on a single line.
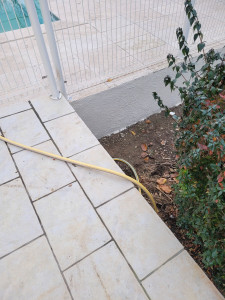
[(74, 233)]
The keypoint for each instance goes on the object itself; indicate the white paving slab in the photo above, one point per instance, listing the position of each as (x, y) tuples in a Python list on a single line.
[(142, 236), (42, 175), (72, 225), (70, 134), (32, 273), (104, 275), (18, 221), (49, 109), (181, 278), (24, 128), (12, 105), (99, 186), (7, 167)]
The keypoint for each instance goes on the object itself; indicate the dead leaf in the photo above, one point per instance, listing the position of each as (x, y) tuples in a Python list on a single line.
[(146, 159), (174, 175), (163, 143), (165, 188), (144, 154), (70, 185), (134, 133), (144, 147), (109, 79), (176, 180), (148, 121), (161, 181)]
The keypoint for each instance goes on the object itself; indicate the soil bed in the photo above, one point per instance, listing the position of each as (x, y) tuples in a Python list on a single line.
[(158, 162)]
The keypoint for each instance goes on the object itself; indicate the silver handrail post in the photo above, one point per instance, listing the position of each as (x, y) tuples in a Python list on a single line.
[(52, 45), (187, 25), (186, 29), (31, 9)]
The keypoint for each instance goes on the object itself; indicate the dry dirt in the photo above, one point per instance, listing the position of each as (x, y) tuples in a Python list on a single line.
[(158, 163)]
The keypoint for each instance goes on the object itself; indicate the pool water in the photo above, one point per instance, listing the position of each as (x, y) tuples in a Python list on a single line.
[(13, 15)]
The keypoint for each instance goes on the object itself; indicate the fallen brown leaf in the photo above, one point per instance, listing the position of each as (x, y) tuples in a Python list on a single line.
[(161, 181), (109, 79), (163, 142), (165, 188), (174, 175), (144, 147), (148, 121), (144, 154), (176, 180), (146, 159), (134, 133)]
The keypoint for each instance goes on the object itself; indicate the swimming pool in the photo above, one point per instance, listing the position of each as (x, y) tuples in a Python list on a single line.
[(13, 15)]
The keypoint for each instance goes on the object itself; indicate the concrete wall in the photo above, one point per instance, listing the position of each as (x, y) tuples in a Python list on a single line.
[(119, 107)]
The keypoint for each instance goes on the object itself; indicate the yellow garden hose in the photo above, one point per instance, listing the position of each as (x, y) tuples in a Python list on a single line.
[(79, 163), (131, 167)]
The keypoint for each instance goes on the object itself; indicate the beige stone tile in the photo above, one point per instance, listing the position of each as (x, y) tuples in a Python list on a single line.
[(99, 186), (71, 135), (88, 92), (32, 273), (104, 275), (128, 77), (49, 109), (72, 226), (7, 167), (143, 238), (140, 44), (180, 278), (12, 105), (24, 128), (109, 24), (18, 221), (144, 13), (42, 175)]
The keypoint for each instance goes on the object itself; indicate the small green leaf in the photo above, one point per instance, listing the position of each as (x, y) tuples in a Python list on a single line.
[(195, 36), (200, 46)]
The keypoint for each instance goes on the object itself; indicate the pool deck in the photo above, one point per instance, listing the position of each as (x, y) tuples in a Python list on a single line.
[(73, 233)]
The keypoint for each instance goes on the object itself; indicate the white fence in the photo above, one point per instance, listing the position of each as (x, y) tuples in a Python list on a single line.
[(97, 40)]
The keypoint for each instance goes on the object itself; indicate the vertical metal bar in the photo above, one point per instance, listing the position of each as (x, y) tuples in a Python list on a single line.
[(187, 23), (41, 46), (52, 45)]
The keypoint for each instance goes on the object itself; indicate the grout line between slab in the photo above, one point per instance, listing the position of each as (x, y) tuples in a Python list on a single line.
[(16, 113), (34, 201), (96, 207), (112, 239), (22, 149), (42, 227), (10, 180), (36, 113), (59, 116), (27, 243), (78, 261), (95, 211), (84, 150), (171, 258)]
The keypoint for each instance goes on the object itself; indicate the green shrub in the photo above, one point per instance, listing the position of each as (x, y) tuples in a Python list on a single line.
[(200, 145)]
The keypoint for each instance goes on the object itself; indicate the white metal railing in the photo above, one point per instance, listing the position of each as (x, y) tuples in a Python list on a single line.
[(94, 41)]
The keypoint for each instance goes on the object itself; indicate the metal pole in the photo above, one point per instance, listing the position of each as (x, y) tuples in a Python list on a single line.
[(186, 27), (31, 9), (52, 44)]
